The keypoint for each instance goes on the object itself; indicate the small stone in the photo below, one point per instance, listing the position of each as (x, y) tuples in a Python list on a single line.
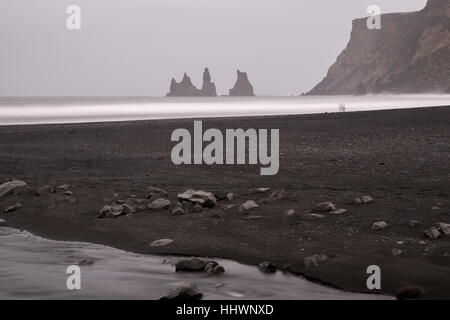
[(160, 203), (197, 208), (63, 187), (414, 223), (366, 199), (45, 190), (422, 243), (128, 209), (2, 223), (433, 233), (187, 291), (259, 190), (214, 270), (68, 193), (14, 207), (252, 217), (190, 265), (289, 213), (267, 267), (220, 195), (247, 206), (312, 216), (161, 242), (230, 196), (314, 260), (178, 211), (104, 211), (324, 207), (409, 293), (338, 211), (397, 252), (277, 195), (116, 211), (381, 225), (219, 285), (155, 192), (357, 201)]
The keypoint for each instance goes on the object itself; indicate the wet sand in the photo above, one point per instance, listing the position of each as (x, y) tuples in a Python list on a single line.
[(399, 157)]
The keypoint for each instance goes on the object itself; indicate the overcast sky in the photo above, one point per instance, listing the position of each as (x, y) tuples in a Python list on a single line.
[(135, 47)]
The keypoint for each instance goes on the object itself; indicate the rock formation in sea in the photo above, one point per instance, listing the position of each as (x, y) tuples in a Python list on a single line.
[(409, 54), (243, 87), (185, 88)]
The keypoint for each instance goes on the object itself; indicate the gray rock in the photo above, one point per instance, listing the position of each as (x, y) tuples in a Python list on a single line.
[(220, 195), (159, 204), (212, 268), (156, 192), (289, 213), (190, 265), (2, 223), (338, 211), (444, 228), (324, 207), (45, 190), (9, 187), (357, 201), (259, 190), (128, 209), (187, 291), (267, 267), (314, 260), (433, 233), (312, 216), (230, 196), (410, 293), (14, 207), (242, 87), (161, 242), (197, 208), (247, 206), (397, 252), (178, 211), (203, 198), (277, 195), (116, 211), (104, 211), (381, 225), (366, 199), (414, 223)]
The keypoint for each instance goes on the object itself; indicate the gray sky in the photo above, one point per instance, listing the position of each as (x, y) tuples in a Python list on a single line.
[(134, 47)]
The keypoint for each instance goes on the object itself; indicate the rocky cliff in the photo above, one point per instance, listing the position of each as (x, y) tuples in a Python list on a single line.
[(242, 87), (410, 54), (185, 88)]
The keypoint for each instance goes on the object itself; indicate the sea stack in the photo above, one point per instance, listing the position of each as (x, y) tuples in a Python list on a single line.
[(243, 87), (185, 88)]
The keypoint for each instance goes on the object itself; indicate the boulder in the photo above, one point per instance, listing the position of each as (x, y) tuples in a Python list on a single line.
[(380, 225), (267, 267), (161, 242), (9, 187), (14, 207), (247, 206), (323, 207), (190, 265), (187, 291), (409, 293), (242, 87), (203, 198), (159, 204), (212, 268)]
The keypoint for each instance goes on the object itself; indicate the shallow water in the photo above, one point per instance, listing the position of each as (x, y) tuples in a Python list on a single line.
[(34, 268), (75, 110)]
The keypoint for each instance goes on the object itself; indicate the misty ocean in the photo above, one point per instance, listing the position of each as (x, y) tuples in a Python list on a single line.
[(77, 110)]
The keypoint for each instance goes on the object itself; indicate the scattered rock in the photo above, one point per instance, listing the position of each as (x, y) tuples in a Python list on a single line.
[(212, 268), (178, 211), (187, 291), (116, 211), (14, 207), (159, 204), (249, 218), (63, 187), (103, 211), (409, 293), (45, 190), (267, 267), (289, 213), (156, 192), (381, 225), (2, 223), (357, 201), (161, 242), (414, 223), (190, 265), (220, 195), (440, 229), (314, 260), (68, 193), (230, 196), (397, 252), (9, 187), (258, 190), (338, 211), (127, 209), (197, 208), (203, 198), (247, 206), (312, 216), (324, 207), (366, 199)]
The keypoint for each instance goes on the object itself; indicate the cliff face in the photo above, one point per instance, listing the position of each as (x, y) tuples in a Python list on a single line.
[(185, 88), (410, 54), (242, 87)]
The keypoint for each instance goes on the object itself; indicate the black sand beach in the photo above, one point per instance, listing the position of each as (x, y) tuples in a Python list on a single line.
[(399, 157)]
